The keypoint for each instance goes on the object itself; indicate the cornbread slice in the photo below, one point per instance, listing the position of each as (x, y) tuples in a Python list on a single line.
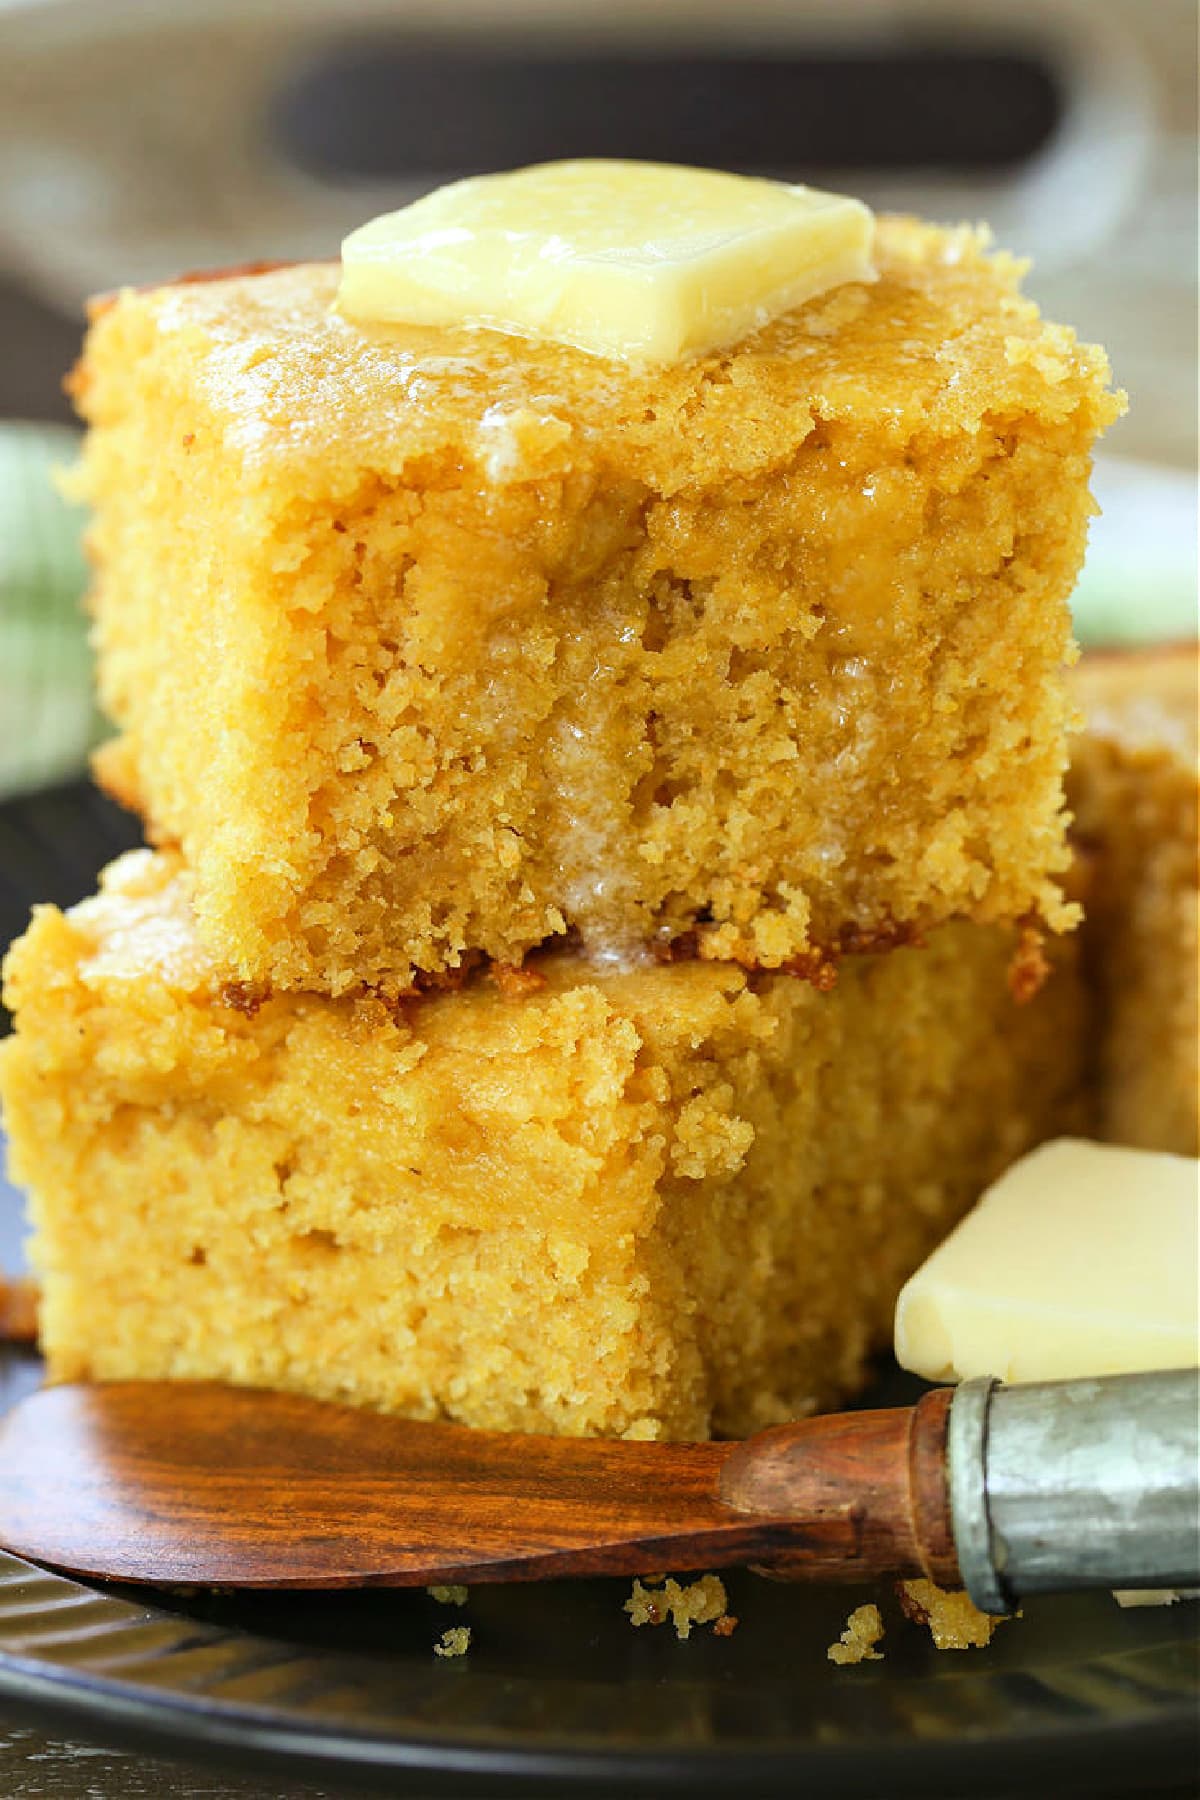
[(1133, 787), (651, 1201), (424, 642)]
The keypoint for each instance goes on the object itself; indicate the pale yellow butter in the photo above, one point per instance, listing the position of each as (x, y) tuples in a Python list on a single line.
[(645, 262), (1082, 1260)]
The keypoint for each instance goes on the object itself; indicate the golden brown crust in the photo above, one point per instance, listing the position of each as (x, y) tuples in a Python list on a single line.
[(114, 770), (76, 381), (1029, 968), (445, 981), (515, 982), (818, 965), (19, 1298), (194, 277), (910, 1606), (99, 304), (243, 997), (854, 940), (249, 997), (1130, 659)]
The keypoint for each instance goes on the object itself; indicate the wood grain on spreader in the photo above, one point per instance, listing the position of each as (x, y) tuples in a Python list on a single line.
[(182, 1482)]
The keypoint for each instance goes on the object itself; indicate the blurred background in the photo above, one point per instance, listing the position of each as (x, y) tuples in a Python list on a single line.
[(139, 139)]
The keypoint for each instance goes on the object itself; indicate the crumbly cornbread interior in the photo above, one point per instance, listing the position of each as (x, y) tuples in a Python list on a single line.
[(422, 643), (1133, 788), (659, 1201)]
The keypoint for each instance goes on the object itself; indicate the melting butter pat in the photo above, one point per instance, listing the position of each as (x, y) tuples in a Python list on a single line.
[(645, 262), (1082, 1260)]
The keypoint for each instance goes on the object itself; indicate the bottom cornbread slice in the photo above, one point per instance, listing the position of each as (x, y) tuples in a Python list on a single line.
[(653, 1201)]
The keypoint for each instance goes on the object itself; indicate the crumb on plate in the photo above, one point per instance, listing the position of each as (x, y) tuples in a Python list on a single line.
[(453, 1595), (701, 1602), (955, 1622), (864, 1629)]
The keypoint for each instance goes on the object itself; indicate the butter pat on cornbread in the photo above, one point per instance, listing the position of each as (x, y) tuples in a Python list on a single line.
[(642, 261), (1082, 1260), (427, 641), (657, 1202)]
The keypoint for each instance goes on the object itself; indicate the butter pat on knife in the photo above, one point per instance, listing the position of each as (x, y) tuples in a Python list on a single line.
[(643, 262), (1083, 1259)]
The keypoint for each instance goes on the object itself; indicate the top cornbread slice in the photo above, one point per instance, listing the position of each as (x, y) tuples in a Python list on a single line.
[(423, 643)]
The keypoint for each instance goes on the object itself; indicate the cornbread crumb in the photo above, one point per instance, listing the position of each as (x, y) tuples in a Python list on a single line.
[(864, 1629), (19, 1296), (702, 1602), (455, 1642), (452, 1595), (954, 1620)]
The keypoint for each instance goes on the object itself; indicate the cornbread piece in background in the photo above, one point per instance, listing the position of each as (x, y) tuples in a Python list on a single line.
[(423, 642), (1133, 786), (1083, 1259), (654, 1202)]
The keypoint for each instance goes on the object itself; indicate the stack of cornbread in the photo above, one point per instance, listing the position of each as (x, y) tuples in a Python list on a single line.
[(608, 919)]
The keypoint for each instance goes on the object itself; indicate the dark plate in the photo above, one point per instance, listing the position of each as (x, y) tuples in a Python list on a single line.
[(559, 1695)]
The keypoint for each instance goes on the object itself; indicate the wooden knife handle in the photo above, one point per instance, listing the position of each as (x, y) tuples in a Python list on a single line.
[(894, 1464)]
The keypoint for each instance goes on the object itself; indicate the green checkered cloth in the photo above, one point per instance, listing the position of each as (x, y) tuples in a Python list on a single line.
[(1139, 582), (48, 721), (1139, 586)]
